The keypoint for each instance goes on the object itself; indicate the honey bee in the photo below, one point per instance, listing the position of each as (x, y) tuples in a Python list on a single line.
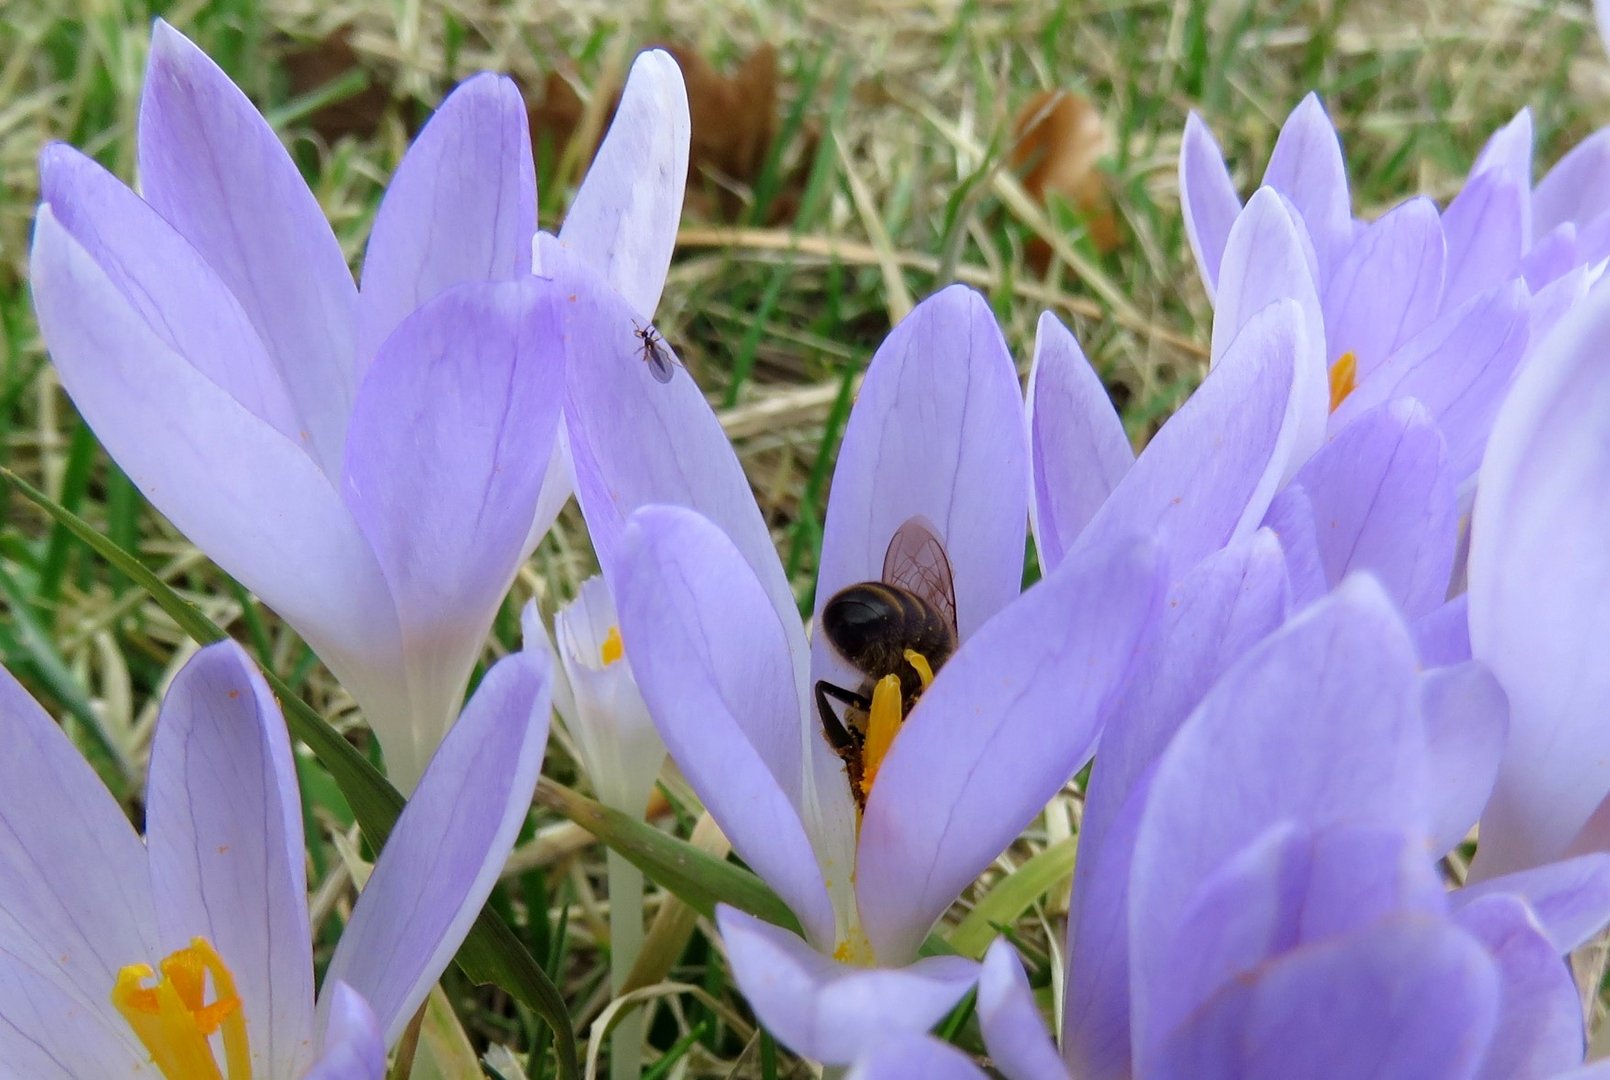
[(661, 363), (878, 626)]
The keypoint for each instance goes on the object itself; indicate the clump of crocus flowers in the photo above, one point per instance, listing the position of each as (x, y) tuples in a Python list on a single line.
[(1344, 607)]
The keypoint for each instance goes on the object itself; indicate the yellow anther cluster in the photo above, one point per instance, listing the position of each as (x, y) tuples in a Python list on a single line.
[(613, 648), (174, 1021), (1343, 377)]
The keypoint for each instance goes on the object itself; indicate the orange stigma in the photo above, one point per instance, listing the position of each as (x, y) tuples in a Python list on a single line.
[(1343, 377)]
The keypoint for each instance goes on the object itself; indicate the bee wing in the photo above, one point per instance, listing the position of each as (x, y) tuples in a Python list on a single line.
[(916, 561)]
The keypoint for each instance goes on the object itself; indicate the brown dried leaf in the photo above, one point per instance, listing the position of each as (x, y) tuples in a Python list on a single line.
[(319, 63), (1057, 140)]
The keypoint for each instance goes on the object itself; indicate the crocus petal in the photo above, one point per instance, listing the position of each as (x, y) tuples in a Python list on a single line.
[(1539, 1030), (1355, 754), (1206, 478), (905, 1057), (462, 207), (1411, 1000), (1387, 286), (1598, 1070), (1559, 298), (1485, 230), (447, 849), (636, 441), (1570, 899), (1005, 724), (1467, 721), (446, 453), (1306, 167), (210, 165), (937, 432), (1442, 637), (164, 279), (624, 218), (240, 490), (1383, 501), (354, 1048), (49, 1032), (1509, 150), (1230, 601), (1266, 260), (1555, 252), (620, 749), (1290, 888), (1096, 1040), (1458, 368), (75, 897), (1014, 1032), (1539, 572), (224, 830), (1078, 449), (832, 1012), (1207, 198), (1573, 190), (712, 662), (1291, 518)]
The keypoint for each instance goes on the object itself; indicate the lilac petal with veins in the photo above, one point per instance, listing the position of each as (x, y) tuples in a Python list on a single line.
[(462, 207), (833, 1012), (1387, 286), (1206, 478), (212, 167), (1078, 449), (624, 218), (1414, 999), (447, 848), (1539, 1032), (1539, 570), (1014, 1033), (1208, 199), (224, 830), (1459, 368), (713, 664), (1355, 754), (1306, 167)]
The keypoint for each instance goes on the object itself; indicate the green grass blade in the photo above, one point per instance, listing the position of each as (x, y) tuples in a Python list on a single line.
[(1013, 896), (696, 877), (492, 953)]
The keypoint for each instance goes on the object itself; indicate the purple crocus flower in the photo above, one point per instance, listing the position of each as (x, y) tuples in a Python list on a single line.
[(714, 637), (1290, 922), (370, 461), (1247, 551), (215, 900), (1539, 574), (1433, 306)]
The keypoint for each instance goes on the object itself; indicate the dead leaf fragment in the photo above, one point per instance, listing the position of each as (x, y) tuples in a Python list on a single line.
[(1058, 139)]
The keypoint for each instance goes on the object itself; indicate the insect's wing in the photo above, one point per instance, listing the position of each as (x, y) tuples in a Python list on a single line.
[(916, 561), (660, 364)]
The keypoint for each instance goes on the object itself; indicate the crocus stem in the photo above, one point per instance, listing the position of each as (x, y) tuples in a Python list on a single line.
[(626, 941), (402, 1067)]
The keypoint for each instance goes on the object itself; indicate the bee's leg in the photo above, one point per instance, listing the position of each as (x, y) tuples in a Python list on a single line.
[(838, 736)]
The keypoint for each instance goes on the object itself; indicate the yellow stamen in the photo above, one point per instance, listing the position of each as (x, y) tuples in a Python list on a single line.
[(919, 663), (174, 1021), (1343, 376), (883, 724), (613, 648)]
